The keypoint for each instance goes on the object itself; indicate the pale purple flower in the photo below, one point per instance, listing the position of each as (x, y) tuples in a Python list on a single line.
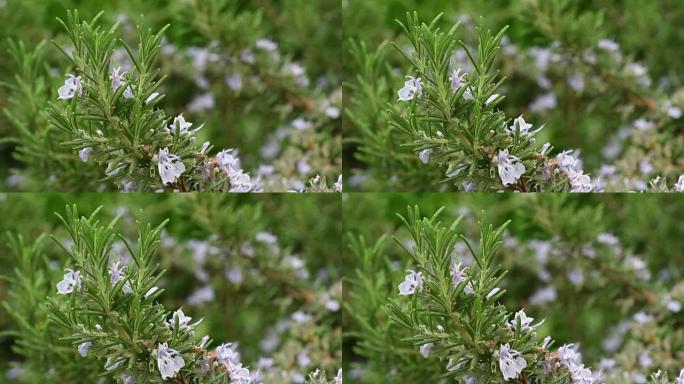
[(117, 78), (170, 166), (457, 274), (411, 283), (83, 348), (169, 361), (72, 87), (457, 79), (511, 362), (117, 274), (234, 82), (128, 92), (84, 154), (70, 283), (424, 155), (411, 89), (510, 167), (425, 349)]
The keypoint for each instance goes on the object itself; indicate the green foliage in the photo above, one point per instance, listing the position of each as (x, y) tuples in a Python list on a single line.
[(603, 286), (571, 68), (281, 291)]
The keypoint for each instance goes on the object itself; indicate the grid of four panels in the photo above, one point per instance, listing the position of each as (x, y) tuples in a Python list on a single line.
[(319, 191)]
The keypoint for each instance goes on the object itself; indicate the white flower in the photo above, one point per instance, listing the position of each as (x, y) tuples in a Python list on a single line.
[(338, 378), (72, 87), (491, 98), (70, 282), (424, 155), (84, 154), (521, 126), (151, 291), (151, 97), (170, 166), (412, 282), (510, 167), (411, 89), (608, 45), (525, 322), (425, 349), (511, 362), (457, 274), (267, 45), (182, 126), (83, 348), (679, 187), (338, 184), (169, 361), (493, 292), (680, 379), (179, 318)]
